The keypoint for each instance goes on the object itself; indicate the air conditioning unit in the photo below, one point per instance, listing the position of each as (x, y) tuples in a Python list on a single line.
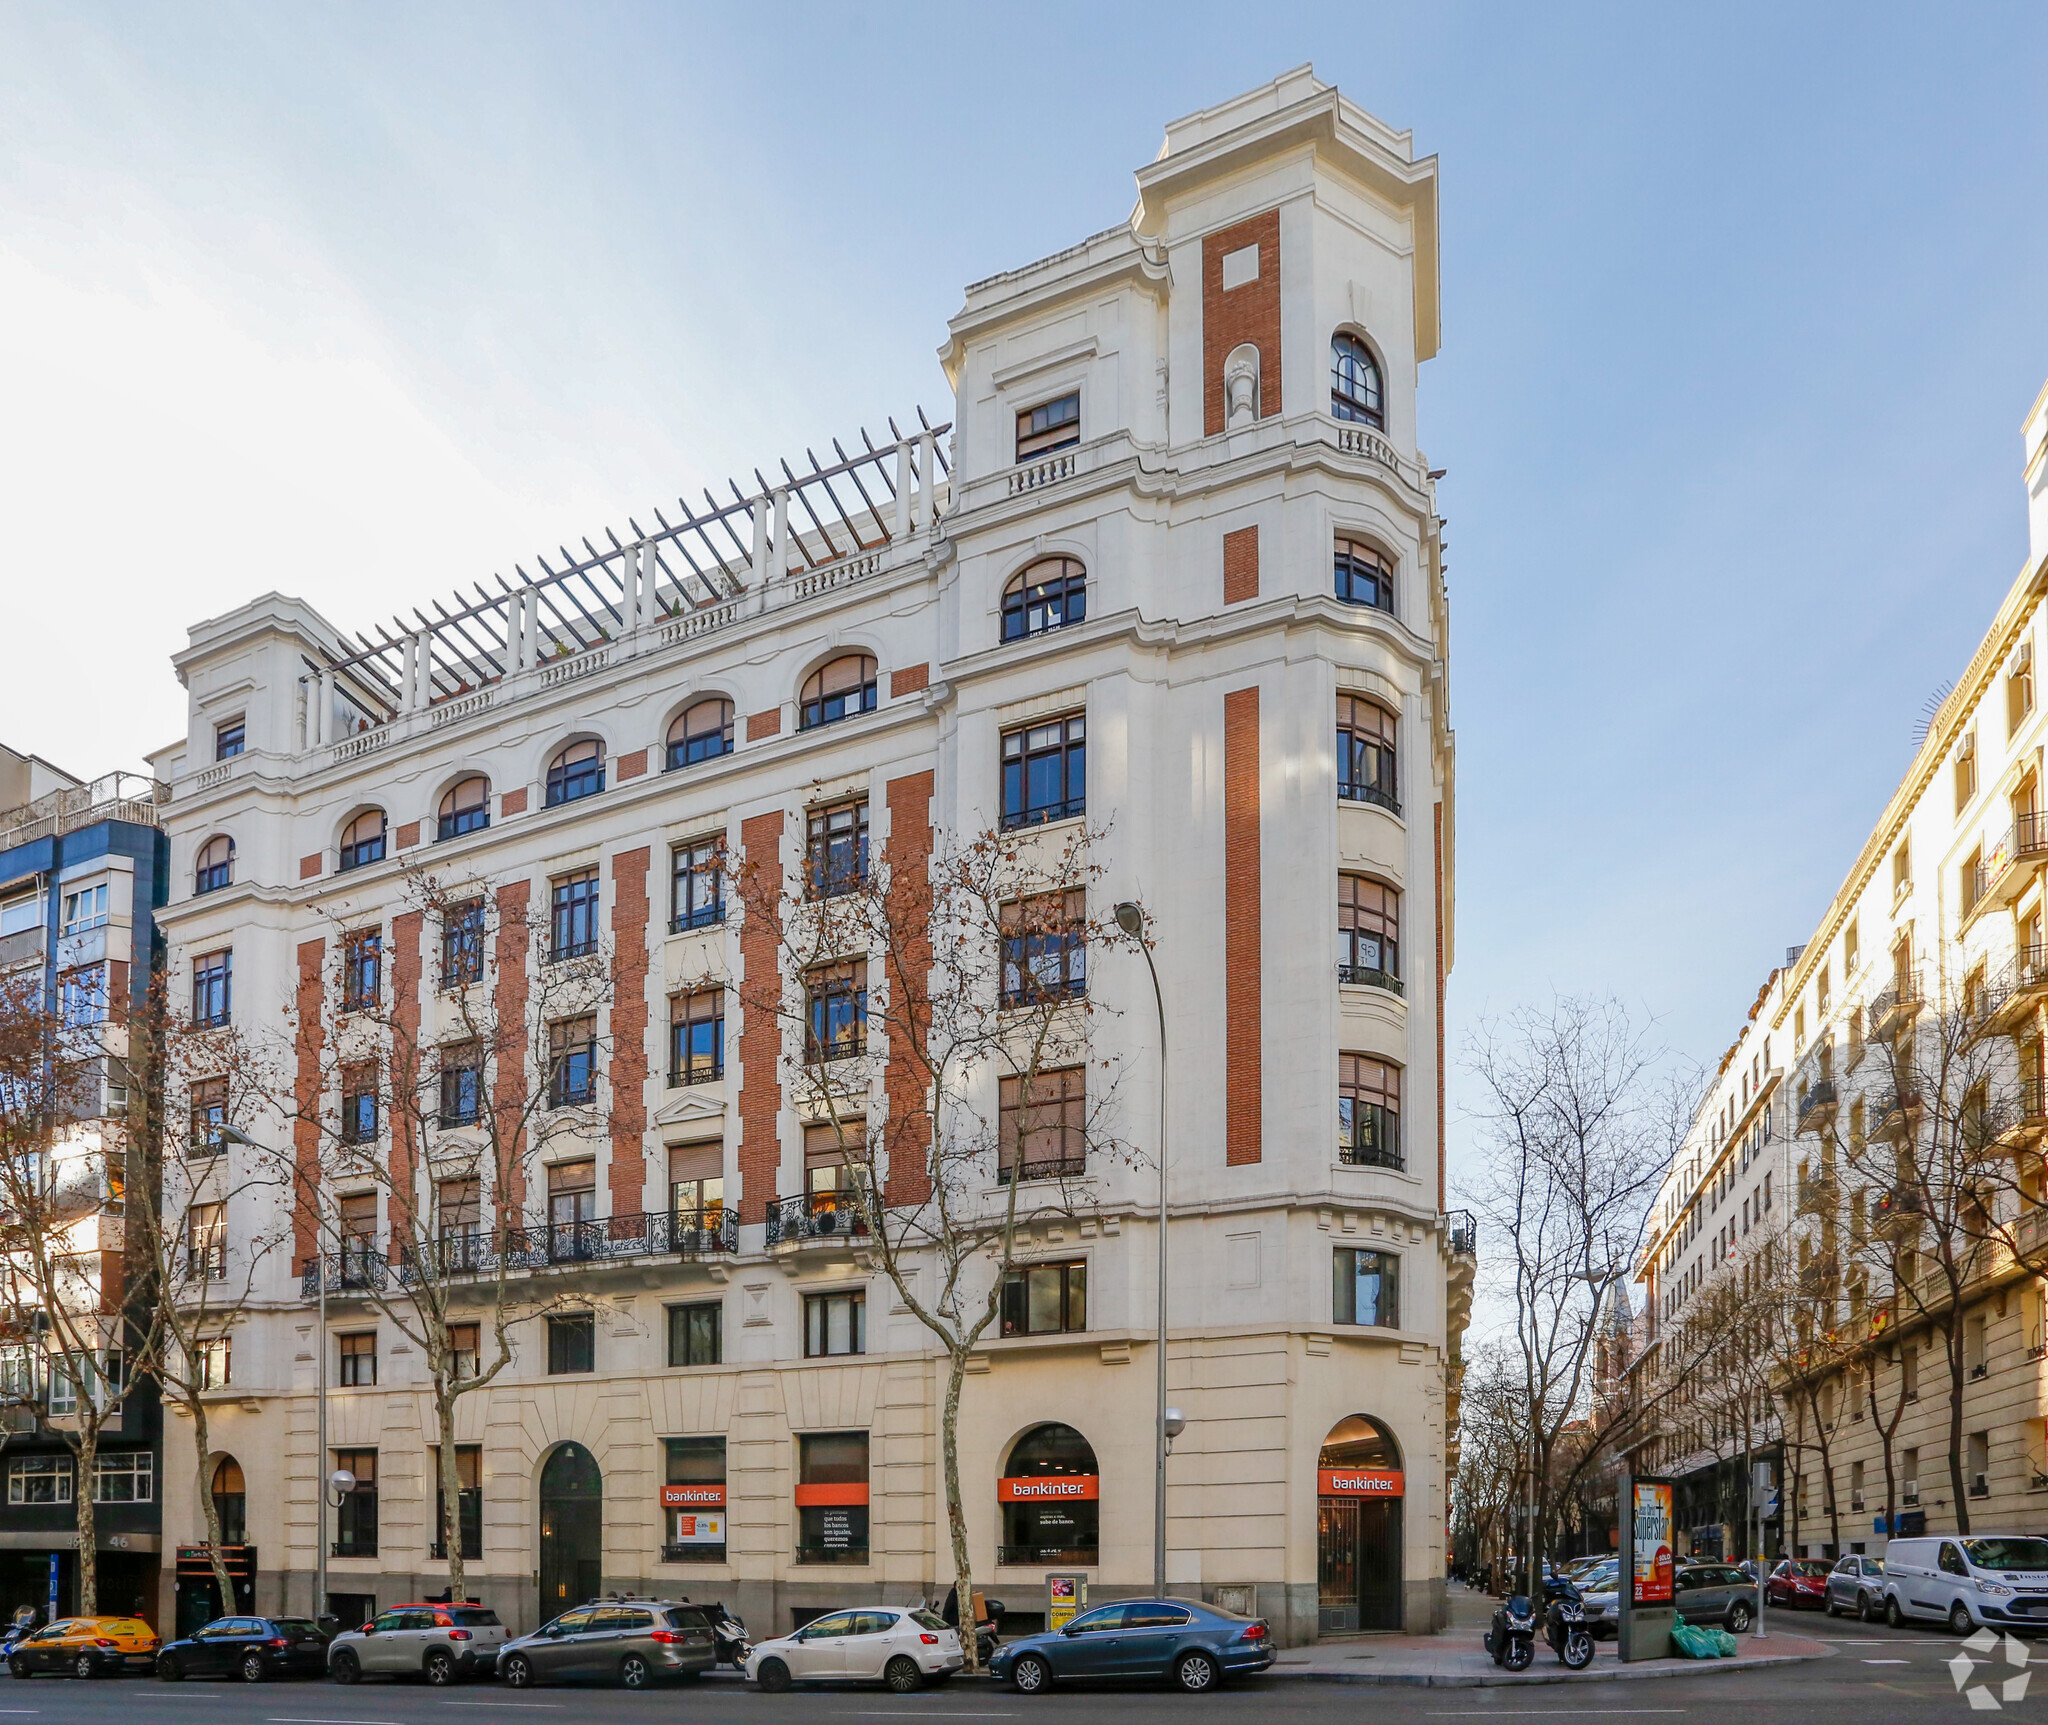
[(1979, 1485)]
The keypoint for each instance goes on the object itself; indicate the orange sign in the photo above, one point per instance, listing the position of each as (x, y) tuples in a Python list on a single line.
[(1050, 1488), (1360, 1482), (693, 1496), (825, 1496)]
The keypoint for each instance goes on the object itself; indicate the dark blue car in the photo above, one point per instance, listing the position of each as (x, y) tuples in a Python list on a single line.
[(1139, 1639)]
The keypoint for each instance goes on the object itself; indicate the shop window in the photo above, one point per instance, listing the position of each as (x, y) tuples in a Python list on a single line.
[(835, 1324), (1045, 1299), (358, 1360), (701, 732), (1368, 1288), (695, 1334), (572, 1343), (355, 1522), (697, 885), (693, 1499), (465, 809), (1045, 772), (837, 690), (1049, 426), (696, 1037), (362, 840), (1050, 1499), (469, 1502), (1045, 947), (577, 771), (1042, 1125), (832, 1497), (1052, 593)]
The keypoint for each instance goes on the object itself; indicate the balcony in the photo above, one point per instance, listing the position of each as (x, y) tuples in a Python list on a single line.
[(1817, 1103), (1363, 976), (2007, 868), (1463, 1231), (1895, 1117), (2018, 990), (116, 797), (1898, 1210), (1819, 1195), (1896, 1008), (1361, 791), (2025, 1120), (816, 1216), (1817, 1279), (1044, 1168)]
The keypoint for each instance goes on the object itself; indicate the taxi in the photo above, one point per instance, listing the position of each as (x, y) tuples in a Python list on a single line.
[(87, 1647)]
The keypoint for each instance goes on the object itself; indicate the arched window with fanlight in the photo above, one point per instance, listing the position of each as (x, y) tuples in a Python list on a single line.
[(576, 771), (838, 690), (1364, 574), (702, 732), (362, 840), (1355, 388), (1051, 1500), (231, 1497), (216, 865), (1052, 593), (466, 808)]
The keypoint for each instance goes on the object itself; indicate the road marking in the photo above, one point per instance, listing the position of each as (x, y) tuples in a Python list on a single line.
[(1887, 1662), (922, 1714), (276, 1719), (1553, 1712), (525, 1706)]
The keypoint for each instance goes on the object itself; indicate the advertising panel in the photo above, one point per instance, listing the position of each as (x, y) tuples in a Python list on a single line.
[(696, 1529), (1066, 1596), (1650, 1559)]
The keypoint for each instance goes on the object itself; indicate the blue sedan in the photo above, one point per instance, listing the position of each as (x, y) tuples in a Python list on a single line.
[(1194, 1644)]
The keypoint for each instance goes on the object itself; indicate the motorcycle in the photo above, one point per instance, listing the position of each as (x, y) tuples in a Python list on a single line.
[(728, 1634), (1511, 1639), (1564, 1627)]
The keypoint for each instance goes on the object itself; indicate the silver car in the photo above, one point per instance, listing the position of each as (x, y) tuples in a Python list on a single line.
[(1856, 1586), (632, 1642), (437, 1642)]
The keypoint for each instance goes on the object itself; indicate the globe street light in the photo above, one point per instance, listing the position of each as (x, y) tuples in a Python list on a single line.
[(1131, 920)]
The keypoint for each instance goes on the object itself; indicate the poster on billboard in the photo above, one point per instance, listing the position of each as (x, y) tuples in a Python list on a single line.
[(1650, 1521)]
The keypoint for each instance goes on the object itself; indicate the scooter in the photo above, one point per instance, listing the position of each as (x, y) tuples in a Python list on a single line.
[(1512, 1637), (1564, 1626), (728, 1634)]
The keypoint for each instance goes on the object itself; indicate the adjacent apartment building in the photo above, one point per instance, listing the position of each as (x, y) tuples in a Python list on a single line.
[(1868, 1165), (1171, 572), (82, 879)]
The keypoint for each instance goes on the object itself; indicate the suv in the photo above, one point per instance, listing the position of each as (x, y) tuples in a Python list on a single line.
[(631, 1642), (438, 1642)]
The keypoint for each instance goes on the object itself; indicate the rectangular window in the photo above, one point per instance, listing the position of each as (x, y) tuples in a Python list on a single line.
[(209, 1109), (835, 1324), (572, 924), (695, 1499), (1045, 1299), (206, 1242), (835, 1155), (1045, 771), (572, 1200), (695, 1336), (124, 1476), (214, 1366), (358, 1359), (836, 848), (1368, 932), (228, 738), (572, 1062), (1045, 947), (469, 1501), (19, 914), (1043, 1135), (832, 1497), (572, 1343), (355, 1524), (1966, 771), (1368, 1288), (836, 1011), (358, 1228), (359, 1104), (362, 971), (465, 1351), (82, 996), (696, 1037), (458, 1222), (39, 1479), (696, 1189), (2019, 688), (1049, 426), (85, 909), (213, 989), (1366, 757), (462, 945), (697, 885), (462, 1084), (1368, 1112)]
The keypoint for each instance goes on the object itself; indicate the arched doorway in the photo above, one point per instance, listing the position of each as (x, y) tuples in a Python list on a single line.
[(571, 1530), (1359, 1486), (1050, 1498), (231, 1502), (196, 1589)]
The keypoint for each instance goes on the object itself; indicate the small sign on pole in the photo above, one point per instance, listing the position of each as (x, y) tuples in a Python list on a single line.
[(1066, 1597)]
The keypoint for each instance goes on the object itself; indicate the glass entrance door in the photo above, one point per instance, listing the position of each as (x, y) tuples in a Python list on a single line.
[(571, 1531), (1337, 1565)]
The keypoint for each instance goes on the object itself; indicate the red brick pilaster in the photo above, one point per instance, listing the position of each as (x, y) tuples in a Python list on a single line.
[(760, 1039), (628, 1176), (1240, 565), (632, 766), (1247, 313), (760, 725), (509, 1098), (908, 1137), (1243, 984), (405, 1071), (306, 1087)]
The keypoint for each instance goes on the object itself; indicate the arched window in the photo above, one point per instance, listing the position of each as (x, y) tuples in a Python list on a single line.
[(702, 732), (1050, 1499), (1366, 770), (838, 690), (216, 865), (1049, 595), (362, 840), (231, 1502), (576, 771), (466, 808), (1355, 392), (1356, 1441), (1365, 575)]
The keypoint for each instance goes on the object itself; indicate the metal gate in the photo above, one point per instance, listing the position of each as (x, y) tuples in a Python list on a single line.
[(1358, 1564)]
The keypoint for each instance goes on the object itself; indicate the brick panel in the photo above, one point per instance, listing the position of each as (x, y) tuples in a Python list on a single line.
[(760, 1038), (1243, 984), (513, 802), (408, 835), (628, 1176), (908, 1135), (909, 680), (508, 1012), (309, 866), (1240, 565), (406, 930), (1249, 313), (633, 765), (766, 724), (306, 1087)]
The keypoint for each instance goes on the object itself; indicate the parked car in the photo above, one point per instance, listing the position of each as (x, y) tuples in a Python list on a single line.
[(1985, 1579), (1717, 1593), (882, 1643), (251, 1648), (1600, 1599), (86, 1647), (631, 1642), (437, 1642), (1798, 1583), (1855, 1585), (1196, 1645)]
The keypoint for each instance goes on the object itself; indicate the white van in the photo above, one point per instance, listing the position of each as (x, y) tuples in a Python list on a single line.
[(1967, 1580)]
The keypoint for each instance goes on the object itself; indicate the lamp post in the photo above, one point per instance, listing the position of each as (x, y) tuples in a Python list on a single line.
[(1131, 920)]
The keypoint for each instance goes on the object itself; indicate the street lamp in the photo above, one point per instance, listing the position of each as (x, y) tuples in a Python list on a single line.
[(1131, 920)]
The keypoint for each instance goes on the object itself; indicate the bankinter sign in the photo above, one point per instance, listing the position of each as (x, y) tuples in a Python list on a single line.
[(1360, 1482), (693, 1497), (1050, 1488)]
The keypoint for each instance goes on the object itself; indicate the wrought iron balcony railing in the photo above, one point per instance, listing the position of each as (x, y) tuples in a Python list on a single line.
[(1464, 1232), (816, 1216), (1816, 1104), (1365, 976)]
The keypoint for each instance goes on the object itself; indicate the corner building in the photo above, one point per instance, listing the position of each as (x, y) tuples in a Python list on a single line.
[(1178, 547)]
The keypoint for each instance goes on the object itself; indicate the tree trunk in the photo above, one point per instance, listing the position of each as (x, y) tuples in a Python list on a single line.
[(202, 1444), (1957, 1379), (451, 1494), (88, 1538), (956, 1514)]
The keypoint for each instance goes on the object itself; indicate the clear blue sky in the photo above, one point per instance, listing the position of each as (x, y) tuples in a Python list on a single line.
[(1742, 309)]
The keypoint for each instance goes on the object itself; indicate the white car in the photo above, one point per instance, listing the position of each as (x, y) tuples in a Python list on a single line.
[(875, 1644), (1967, 1581)]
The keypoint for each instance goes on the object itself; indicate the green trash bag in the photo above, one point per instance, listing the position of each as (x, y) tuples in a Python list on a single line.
[(1697, 1641)]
